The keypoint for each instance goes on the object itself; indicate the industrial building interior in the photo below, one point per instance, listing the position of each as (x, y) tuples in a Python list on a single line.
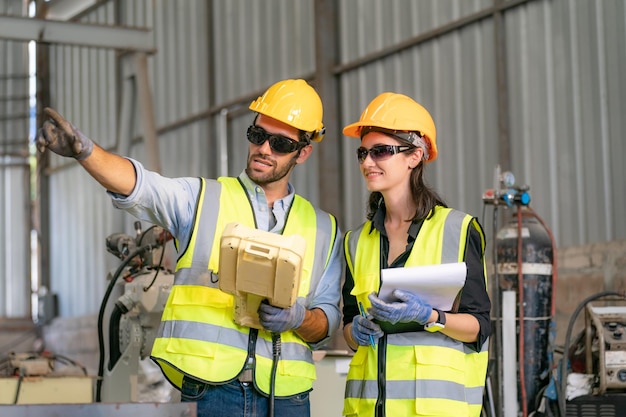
[(528, 97)]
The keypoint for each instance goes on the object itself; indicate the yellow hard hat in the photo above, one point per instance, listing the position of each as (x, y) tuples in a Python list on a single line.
[(293, 102), (393, 111)]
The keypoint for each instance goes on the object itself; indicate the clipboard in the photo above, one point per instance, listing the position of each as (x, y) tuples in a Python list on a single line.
[(439, 285)]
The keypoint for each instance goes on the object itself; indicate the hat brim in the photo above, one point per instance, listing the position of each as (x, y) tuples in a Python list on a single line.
[(353, 130)]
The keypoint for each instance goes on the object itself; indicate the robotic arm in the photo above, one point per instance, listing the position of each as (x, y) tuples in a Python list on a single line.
[(134, 317)]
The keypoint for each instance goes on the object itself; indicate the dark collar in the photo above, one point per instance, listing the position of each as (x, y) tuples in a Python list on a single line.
[(378, 223)]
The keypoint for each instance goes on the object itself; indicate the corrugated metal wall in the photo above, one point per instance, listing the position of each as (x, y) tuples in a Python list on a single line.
[(84, 88), (565, 98), (567, 61), (15, 208)]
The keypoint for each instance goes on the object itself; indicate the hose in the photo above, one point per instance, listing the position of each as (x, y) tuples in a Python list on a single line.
[(114, 333), (105, 299), (562, 387)]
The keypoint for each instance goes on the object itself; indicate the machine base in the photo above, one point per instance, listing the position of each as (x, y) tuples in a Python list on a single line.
[(607, 405)]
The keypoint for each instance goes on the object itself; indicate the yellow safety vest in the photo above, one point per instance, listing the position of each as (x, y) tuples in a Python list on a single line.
[(425, 374), (198, 335)]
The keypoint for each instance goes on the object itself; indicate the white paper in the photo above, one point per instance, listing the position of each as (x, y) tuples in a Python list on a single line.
[(438, 285)]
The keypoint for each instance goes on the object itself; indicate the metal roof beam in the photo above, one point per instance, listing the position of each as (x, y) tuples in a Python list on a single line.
[(78, 34)]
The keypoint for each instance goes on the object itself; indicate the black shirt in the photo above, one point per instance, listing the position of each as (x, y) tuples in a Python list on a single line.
[(474, 296)]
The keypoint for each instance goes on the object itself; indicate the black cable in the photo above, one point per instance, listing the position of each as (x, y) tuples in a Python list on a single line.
[(105, 299), (114, 333), (65, 359), (381, 378), (145, 289), (276, 347), (562, 387), (19, 386), (144, 233)]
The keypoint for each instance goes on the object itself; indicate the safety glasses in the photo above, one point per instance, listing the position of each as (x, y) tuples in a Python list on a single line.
[(381, 152), (278, 143)]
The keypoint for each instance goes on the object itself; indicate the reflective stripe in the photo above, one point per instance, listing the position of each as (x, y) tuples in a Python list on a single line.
[(325, 225), (452, 234), (445, 230), (231, 337), (234, 207), (204, 332), (474, 395), (406, 390), (350, 242), (197, 275), (351, 239), (205, 222), (429, 339), (359, 388), (289, 351)]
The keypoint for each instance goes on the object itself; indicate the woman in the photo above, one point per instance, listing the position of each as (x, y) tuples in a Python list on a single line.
[(411, 359)]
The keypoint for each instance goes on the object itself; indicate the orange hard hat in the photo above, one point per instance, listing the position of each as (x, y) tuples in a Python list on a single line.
[(393, 111), (295, 103)]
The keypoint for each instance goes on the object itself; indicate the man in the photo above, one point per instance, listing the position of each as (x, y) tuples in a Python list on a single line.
[(229, 369)]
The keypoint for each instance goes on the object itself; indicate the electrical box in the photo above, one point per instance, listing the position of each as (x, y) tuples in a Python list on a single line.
[(47, 307), (606, 334), (255, 265)]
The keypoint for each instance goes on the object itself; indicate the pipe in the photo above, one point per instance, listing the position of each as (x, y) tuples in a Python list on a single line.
[(498, 310), (508, 382), (222, 143), (520, 295)]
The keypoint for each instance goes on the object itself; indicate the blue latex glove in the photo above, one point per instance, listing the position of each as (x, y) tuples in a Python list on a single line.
[(278, 320), (362, 329), (409, 308), (62, 138)]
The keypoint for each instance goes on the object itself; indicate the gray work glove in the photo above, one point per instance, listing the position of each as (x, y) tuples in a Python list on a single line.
[(362, 329), (409, 308), (278, 320), (62, 138)]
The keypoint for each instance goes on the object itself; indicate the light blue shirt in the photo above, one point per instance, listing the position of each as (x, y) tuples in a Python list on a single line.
[(171, 204)]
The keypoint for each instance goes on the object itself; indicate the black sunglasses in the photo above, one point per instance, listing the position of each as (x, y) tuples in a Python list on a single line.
[(278, 143), (381, 152)]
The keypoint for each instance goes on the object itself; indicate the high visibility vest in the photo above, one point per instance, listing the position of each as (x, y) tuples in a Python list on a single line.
[(425, 374), (198, 335)]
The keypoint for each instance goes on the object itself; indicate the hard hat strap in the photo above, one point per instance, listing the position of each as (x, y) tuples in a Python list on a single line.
[(403, 135)]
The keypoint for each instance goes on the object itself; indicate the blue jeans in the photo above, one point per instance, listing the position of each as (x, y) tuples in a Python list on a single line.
[(240, 399)]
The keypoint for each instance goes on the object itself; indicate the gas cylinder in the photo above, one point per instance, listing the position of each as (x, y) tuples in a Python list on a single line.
[(534, 294)]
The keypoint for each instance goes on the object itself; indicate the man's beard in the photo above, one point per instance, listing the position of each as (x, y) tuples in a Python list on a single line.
[(272, 176)]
